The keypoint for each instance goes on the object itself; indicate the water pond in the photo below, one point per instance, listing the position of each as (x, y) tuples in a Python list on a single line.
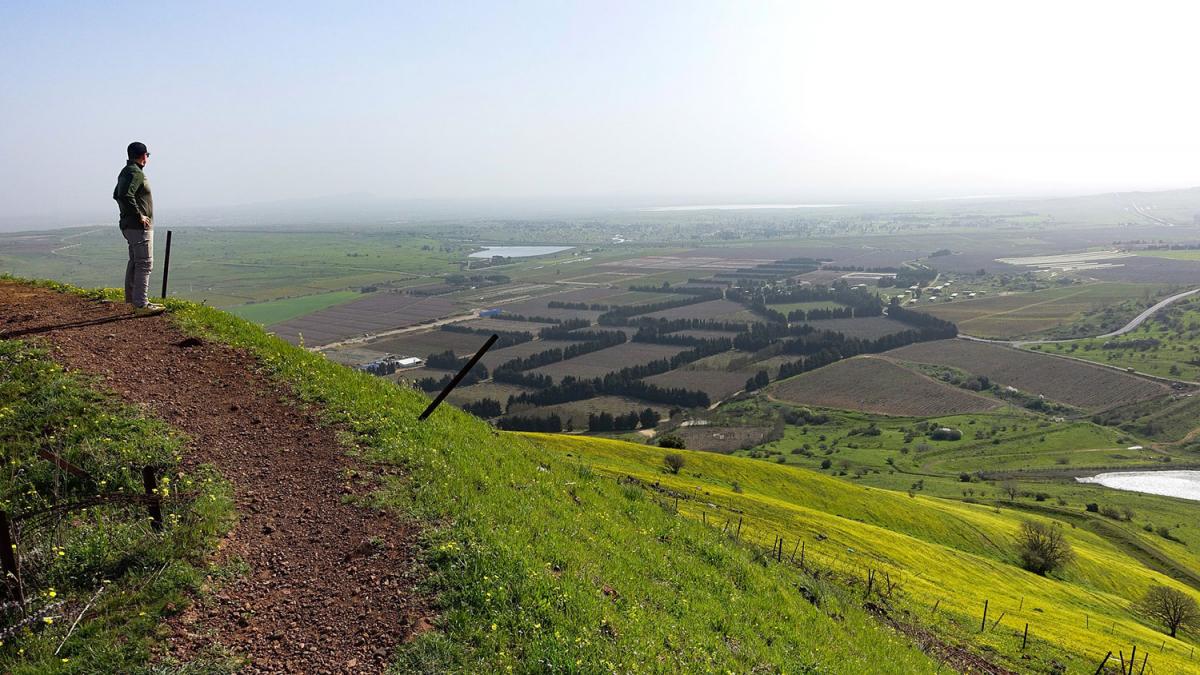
[(1183, 484)]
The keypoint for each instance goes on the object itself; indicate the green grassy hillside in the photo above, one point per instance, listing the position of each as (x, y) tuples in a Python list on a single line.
[(568, 554)]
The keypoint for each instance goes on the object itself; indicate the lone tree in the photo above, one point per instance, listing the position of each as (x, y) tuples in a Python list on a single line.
[(1043, 548), (674, 462), (1011, 488), (1173, 609)]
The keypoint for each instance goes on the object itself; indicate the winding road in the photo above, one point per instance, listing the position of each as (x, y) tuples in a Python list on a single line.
[(1132, 325)]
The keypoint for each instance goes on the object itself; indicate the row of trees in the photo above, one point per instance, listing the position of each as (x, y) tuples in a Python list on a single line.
[(506, 338), (547, 424), (619, 316), (606, 421), (595, 306), (600, 340)]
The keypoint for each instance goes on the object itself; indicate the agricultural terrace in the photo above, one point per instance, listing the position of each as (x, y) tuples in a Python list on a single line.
[(877, 385), (604, 361), (1028, 314), (376, 312), (1167, 344), (1074, 383)]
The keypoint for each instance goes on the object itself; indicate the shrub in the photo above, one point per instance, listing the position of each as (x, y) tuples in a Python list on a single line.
[(1093, 508), (825, 463), (672, 441), (1043, 548), (674, 462), (964, 477)]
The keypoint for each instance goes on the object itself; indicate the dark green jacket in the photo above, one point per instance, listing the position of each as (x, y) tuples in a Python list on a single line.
[(133, 197)]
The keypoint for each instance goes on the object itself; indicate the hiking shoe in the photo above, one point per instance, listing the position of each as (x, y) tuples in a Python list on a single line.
[(149, 308)]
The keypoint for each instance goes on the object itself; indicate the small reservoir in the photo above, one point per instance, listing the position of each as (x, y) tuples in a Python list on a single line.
[(518, 251), (1182, 484)]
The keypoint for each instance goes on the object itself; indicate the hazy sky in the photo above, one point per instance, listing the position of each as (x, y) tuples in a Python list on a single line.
[(818, 101)]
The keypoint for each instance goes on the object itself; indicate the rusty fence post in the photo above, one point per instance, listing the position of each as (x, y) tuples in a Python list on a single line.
[(154, 503)]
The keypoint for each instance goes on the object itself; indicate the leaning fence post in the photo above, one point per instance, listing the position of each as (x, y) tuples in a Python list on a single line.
[(738, 536), (983, 624), (458, 378), (1025, 638), (8, 557), (166, 265), (1101, 666), (154, 503)]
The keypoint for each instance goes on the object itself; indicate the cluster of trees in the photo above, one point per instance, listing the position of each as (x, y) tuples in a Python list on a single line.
[(861, 301), (601, 340), (507, 338), (930, 326), (595, 306), (820, 314), (530, 318), (619, 316), (709, 345), (549, 423), (686, 290), (473, 376), (758, 381), (629, 421), (486, 408), (625, 382), (448, 360)]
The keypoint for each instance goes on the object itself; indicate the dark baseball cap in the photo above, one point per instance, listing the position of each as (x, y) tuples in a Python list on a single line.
[(136, 149)]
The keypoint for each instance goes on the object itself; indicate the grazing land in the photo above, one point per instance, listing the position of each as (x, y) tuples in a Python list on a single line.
[(1021, 315), (1167, 345), (1074, 383), (876, 385)]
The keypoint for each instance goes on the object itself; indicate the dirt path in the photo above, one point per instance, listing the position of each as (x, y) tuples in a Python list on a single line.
[(330, 586)]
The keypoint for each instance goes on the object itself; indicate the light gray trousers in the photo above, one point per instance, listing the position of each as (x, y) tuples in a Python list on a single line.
[(141, 261)]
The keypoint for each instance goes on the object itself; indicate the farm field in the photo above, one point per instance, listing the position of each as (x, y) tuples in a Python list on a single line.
[(1028, 314), (717, 310), (574, 414), (877, 385), (1167, 345), (495, 357), (1074, 383), (718, 384), (500, 324), (423, 343), (497, 391), (599, 363), (275, 311), (376, 312), (868, 327)]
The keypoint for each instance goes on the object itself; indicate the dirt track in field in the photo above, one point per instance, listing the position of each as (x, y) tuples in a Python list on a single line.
[(321, 596)]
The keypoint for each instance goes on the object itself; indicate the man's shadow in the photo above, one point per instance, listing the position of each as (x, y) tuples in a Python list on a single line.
[(35, 330)]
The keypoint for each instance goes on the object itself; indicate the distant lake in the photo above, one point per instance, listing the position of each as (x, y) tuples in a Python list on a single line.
[(738, 207), (1183, 484), (518, 251)]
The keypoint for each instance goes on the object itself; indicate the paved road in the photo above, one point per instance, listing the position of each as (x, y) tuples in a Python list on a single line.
[(1132, 325)]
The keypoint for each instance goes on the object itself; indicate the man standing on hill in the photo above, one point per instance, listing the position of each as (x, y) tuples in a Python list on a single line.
[(137, 218)]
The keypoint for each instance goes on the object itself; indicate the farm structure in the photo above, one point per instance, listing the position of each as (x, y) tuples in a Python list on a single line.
[(1086, 386), (876, 385), (377, 312)]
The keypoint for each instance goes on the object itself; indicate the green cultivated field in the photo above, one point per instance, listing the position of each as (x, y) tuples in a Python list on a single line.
[(1168, 345), (274, 311)]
